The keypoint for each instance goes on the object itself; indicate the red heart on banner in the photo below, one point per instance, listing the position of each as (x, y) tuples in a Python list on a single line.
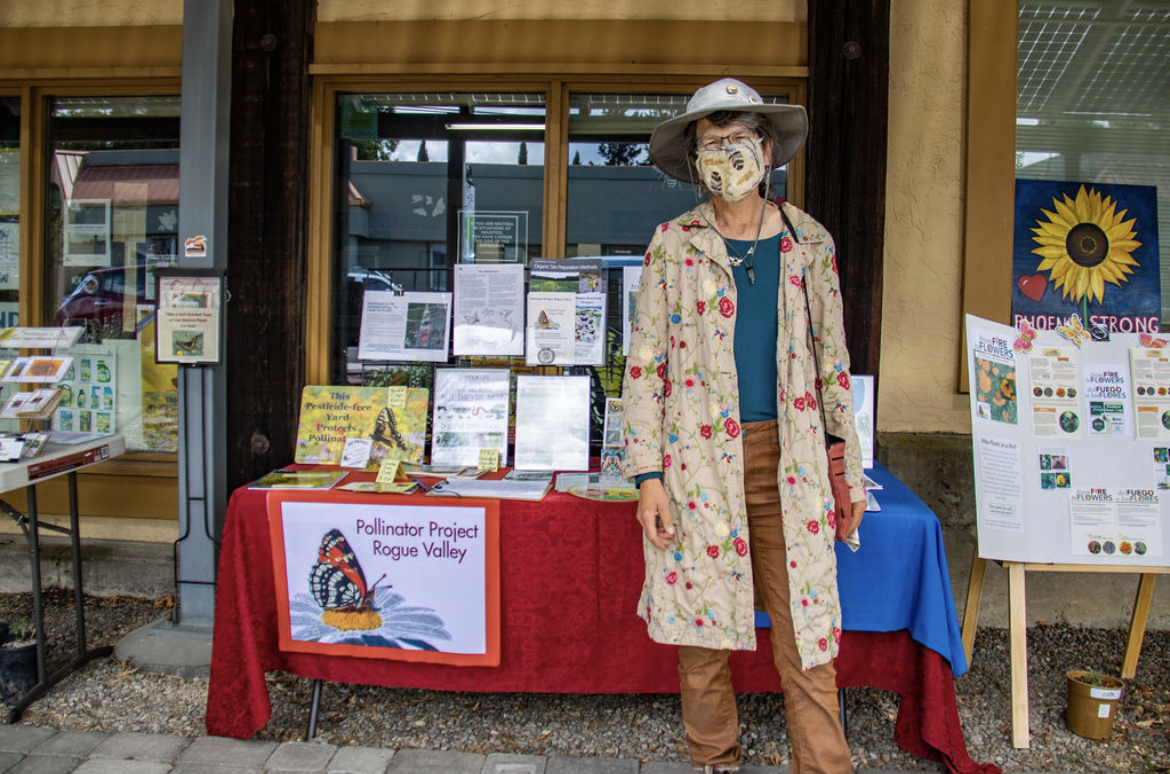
[(1033, 287)]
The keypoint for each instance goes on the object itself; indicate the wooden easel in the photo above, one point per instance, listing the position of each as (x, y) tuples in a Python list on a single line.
[(1018, 624)]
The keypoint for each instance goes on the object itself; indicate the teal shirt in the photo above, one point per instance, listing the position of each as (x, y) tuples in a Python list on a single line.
[(756, 326)]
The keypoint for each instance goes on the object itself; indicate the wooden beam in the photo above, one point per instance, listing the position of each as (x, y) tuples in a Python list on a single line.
[(267, 233), (846, 190)]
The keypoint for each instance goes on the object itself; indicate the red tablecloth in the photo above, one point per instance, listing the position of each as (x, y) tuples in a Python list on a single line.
[(570, 574)]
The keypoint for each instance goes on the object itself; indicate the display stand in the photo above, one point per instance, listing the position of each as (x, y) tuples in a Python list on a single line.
[(1018, 623)]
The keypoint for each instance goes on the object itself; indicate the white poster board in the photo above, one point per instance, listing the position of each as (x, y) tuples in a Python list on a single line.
[(1069, 465)]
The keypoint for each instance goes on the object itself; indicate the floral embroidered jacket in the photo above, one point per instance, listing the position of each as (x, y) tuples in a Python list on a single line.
[(681, 417)]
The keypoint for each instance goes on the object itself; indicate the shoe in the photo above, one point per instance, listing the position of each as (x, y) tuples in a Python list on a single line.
[(710, 769)]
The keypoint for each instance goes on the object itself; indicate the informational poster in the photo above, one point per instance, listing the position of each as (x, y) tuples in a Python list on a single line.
[(404, 326), (9, 255), (552, 423), (1075, 480), (10, 181), (489, 309), (87, 230), (631, 276), (393, 418), (551, 329), (412, 581), (1055, 405), (589, 329), (189, 320), (90, 399), (1151, 392), (470, 414)]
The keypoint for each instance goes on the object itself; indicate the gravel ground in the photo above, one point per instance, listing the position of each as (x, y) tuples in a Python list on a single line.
[(105, 696)]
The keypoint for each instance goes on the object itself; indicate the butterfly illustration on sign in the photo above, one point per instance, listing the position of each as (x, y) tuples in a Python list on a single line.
[(344, 609), (1027, 335), (1074, 331)]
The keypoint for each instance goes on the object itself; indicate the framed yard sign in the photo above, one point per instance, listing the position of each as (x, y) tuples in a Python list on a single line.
[(407, 579)]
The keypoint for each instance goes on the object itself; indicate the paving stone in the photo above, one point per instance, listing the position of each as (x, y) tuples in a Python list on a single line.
[(137, 746), (74, 744), (8, 760), (568, 764), (112, 766), (300, 756), (231, 752), (359, 760), (501, 763), (663, 767), (214, 768), (435, 762), (22, 739), (45, 764)]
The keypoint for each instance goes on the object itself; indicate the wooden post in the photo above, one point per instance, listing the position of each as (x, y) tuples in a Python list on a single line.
[(849, 43), (271, 49)]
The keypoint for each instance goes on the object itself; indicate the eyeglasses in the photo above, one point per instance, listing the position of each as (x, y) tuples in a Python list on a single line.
[(717, 141)]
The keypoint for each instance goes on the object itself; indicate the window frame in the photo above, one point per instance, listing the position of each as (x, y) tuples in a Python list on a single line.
[(557, 90)]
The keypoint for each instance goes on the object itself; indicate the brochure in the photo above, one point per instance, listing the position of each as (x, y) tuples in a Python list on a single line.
[(41, 403), (493, 488), (550, 329), (299, 479), (489, 309), (470, 414), (406, 326), (48, 370), (552, 423)]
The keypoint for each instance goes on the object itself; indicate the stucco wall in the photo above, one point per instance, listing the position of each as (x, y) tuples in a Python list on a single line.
[(90, 13), (924, 226)]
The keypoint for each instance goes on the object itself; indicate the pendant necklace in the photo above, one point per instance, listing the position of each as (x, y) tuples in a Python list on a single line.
[(746, 259)]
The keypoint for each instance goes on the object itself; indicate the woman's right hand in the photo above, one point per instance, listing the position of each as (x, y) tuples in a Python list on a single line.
[(654, 513)]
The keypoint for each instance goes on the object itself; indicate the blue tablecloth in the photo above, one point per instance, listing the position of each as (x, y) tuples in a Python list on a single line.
[(898, 579)]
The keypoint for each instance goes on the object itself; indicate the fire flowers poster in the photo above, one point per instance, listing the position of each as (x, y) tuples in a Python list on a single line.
[(409, 581), (1089, 249)]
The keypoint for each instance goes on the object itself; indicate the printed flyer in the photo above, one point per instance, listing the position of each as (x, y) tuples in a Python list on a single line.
[(551, 329), (471, 413), (410, 326), (1001, 503), (552, 423), (631, 277), (1056, 409), (489, 309), (1151, 392), (1115, 522), (1107, 396), (995, 378)]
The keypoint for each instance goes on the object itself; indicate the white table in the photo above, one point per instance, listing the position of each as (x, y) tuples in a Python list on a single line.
[(55, 460)]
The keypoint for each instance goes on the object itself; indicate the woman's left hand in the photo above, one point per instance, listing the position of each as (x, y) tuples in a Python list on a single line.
[(858, 512)]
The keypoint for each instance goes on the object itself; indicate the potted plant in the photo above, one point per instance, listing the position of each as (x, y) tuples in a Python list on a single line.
[(18, 660), (1092, 703)]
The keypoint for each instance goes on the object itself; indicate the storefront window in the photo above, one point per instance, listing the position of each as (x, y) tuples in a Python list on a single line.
[(112, 206), (1091, 108), (9, 232), (615, 196), (426, 181)]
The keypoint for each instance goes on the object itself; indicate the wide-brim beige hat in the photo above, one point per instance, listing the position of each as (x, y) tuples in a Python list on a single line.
[(668, 149)]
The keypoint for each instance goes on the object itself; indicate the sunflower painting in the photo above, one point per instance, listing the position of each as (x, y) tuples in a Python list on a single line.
[(1089, 249)]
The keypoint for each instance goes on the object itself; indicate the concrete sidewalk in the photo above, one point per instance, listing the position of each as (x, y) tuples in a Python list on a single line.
[(34, 750)]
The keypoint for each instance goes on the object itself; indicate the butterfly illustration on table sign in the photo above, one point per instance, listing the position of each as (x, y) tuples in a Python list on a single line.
[(1074, 331), (1149, 342), (386, 430), (1027, 335), (337, 580)]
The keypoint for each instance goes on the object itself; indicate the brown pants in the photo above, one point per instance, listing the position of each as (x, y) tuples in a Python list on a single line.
[(810, 697)]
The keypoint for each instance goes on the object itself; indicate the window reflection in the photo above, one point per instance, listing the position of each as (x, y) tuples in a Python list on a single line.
[(112, 219), (426, 181)]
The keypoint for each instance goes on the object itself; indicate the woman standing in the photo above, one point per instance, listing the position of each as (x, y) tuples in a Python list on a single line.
[(724, 431)]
